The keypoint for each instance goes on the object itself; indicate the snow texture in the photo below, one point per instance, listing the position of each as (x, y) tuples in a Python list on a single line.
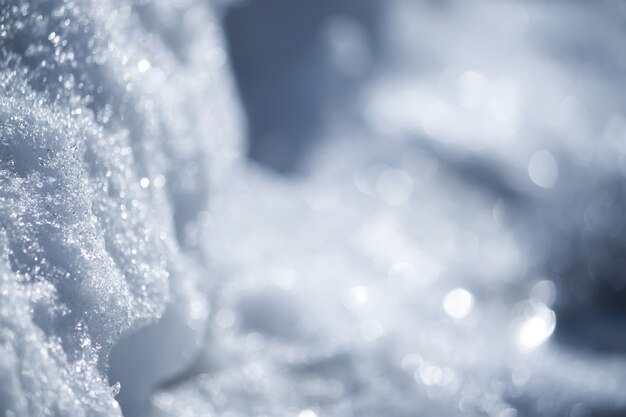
[(146, 268), (109, 148)]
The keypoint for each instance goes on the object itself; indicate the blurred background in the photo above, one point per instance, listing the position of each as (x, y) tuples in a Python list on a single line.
[(296, 63), (431, 220), (521, 100)]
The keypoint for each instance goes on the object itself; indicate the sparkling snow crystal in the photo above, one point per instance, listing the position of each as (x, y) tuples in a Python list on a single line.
[(109, 149)]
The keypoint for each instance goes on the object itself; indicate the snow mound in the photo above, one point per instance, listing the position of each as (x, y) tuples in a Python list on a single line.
[(108, 151)]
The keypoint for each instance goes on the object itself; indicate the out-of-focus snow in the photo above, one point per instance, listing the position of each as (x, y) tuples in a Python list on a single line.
[(414, 271)]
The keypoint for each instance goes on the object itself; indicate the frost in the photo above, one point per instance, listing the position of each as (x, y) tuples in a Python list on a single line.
[(146, 269)]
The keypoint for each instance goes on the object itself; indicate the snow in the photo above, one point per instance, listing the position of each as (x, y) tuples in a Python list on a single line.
[(108, 152), (148, 268)]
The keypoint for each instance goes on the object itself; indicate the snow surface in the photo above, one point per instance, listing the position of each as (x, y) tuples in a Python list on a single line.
[(109, 149), (147, 268)]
